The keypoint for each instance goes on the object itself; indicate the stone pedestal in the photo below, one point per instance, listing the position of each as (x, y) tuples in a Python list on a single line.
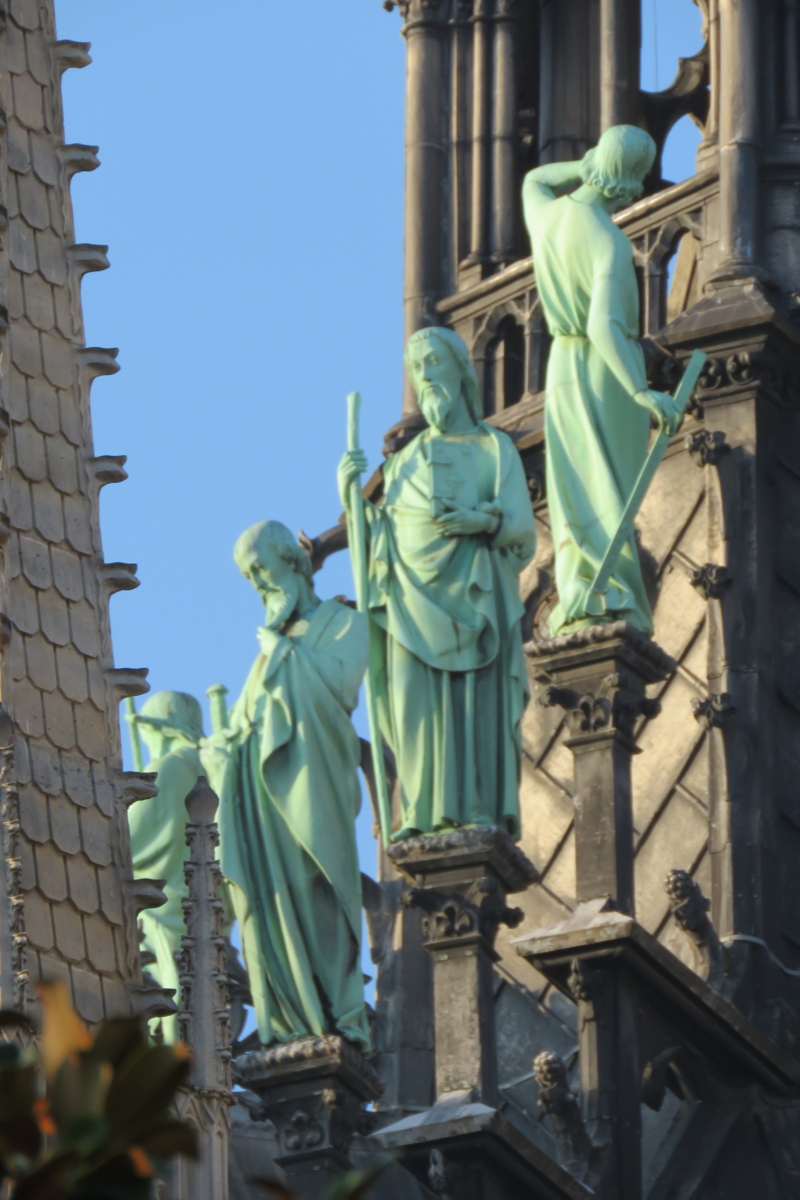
[(598, 676), (460, 881), (463, 1145), (314, 1091)]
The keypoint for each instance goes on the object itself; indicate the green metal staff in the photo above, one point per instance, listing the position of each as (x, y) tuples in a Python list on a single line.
[(651, 464), (219, 708), (133, 727), (358, 555)]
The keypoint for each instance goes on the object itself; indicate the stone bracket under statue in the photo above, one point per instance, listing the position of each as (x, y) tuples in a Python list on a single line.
[(596, 943), (599, 676), (315, 1092), (460, 881)]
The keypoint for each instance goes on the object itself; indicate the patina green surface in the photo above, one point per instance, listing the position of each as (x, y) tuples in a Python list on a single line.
[(171, 726), (446, 546), (598, 404), (285, 771)]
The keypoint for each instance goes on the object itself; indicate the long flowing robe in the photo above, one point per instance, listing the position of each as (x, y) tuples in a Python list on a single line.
[(596, 434), (446, 655), (158, 846), (289, 796)]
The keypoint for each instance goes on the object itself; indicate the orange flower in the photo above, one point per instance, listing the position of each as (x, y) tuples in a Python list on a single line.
[(63, 1032), (44, 1119), (141, 1163)]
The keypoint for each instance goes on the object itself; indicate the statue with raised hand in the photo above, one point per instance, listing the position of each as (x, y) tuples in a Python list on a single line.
[(445, 547), (171, 725), (285, 770), (598, 404)]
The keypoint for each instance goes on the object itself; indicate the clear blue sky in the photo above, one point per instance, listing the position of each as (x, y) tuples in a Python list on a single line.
[(251, 196)]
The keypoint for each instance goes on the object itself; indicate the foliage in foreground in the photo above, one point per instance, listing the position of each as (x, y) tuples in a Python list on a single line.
[(355, 1185), (87, 1117)]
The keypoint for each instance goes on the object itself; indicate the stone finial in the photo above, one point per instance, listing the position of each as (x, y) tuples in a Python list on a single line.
[(204, 1016)]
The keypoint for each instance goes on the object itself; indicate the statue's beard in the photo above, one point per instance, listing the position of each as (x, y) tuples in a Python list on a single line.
[(436, 404), (279, 606)]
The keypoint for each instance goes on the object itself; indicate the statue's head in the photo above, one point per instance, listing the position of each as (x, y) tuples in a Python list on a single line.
[(617, 165), (278, 569), (173, 718), (440, 369)]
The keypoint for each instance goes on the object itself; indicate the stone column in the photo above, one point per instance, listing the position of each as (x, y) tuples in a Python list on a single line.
[(425, 166), (460, 137), (598, 676), (204, 1018), (460, 881), (620, 43), (791, 82), (504, 120), (474, 266), (739, 139)]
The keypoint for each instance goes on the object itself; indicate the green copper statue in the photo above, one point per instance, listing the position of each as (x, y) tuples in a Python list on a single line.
[(171, 726), (285, 771), (598, 405), (446, 546)]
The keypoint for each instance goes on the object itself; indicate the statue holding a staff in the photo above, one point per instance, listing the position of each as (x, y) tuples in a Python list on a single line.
[(440, 563), (598, 406), (285, 768), (171, 726)]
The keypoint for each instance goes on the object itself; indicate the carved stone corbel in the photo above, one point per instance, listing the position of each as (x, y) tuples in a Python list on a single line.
[(71, 54), (117, 577), (710, 580), (614, 706), (690, 909), (481, 909), (714, 711), (127, 681), (707, 447), (562, 1106)]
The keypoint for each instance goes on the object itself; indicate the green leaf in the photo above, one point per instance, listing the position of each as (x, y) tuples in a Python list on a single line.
[(117, 1039), (46, 1183), (79, 1089), (86, 1134), (355, 1185), (20, 1135), (170, 1137), (143, 1086), (274, 1188), (18, 1092)]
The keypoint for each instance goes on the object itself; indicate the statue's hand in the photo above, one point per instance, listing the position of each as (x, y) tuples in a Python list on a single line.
[(353, 464), (665, 408), (465, 521), (268, 639), (215, 750)]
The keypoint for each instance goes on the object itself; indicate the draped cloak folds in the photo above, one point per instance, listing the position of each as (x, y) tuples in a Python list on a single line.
[(287, 781), (596, 434), (446, 653), (158, 847)]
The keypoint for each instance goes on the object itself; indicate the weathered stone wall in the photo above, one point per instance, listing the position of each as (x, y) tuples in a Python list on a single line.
[(58, 680)]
